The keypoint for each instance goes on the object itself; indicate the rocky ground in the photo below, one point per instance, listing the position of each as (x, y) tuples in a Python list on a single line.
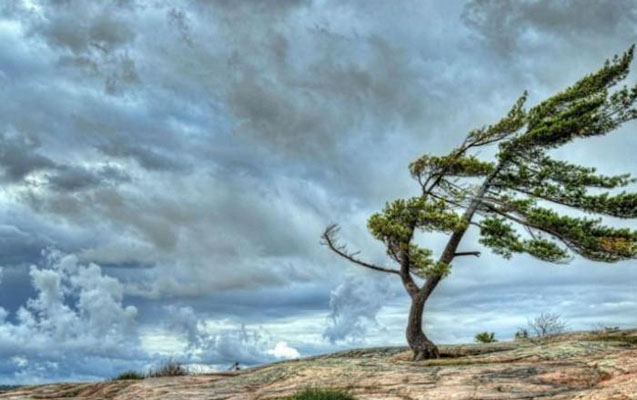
[(576, 366)]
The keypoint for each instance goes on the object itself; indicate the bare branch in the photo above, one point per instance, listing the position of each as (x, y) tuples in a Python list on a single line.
[(330, 240), (467, 253)]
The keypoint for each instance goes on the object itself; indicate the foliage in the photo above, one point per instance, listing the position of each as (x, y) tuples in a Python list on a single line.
[(547, 324), (511, 205), (451, 165), (130, 375), (320, 394), (486, 337)]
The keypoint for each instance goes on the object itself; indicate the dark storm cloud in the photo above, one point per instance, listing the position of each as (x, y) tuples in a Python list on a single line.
[(77, 178), (19, 157), (92, 37), (509, 25), (314, 113)]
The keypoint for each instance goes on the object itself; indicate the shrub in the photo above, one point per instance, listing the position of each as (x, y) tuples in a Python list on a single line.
[(129, 375), (521, 334), (486, 337), (547, 324), (168, 368), (320, 394), (602, 329)]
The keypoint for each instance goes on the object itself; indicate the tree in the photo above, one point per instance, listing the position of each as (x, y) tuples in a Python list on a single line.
[(515, 199), (547, 324)]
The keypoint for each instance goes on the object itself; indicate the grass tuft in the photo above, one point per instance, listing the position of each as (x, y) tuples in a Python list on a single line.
[(168, 368), (320, 394)]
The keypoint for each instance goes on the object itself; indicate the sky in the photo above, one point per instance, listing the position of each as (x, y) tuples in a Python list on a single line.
[(167, 168)]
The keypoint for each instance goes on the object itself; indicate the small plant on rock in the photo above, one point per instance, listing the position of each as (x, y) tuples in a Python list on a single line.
[(320, 394)]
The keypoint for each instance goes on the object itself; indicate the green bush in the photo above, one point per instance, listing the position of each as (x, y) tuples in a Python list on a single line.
[(129, 375), (486, 337), (320, 394)]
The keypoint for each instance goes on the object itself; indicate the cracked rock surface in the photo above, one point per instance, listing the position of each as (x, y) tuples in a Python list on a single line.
[(576, 366)]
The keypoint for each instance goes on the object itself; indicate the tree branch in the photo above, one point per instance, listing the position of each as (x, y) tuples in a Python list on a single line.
[(529, 225), (329, 239), (405, 274), (467, 253)]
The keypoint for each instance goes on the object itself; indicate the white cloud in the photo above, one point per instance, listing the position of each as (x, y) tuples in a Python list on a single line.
[(283, 351), (76, 320)]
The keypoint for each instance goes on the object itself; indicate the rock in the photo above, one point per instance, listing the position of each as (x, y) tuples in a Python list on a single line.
[(576, 366)]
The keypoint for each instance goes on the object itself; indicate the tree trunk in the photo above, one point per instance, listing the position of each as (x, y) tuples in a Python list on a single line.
[(422, 347)]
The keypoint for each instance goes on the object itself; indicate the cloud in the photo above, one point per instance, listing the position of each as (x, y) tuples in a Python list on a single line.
[(18, 157), (210, 344), (205, 122), (97, 45), (76, 325), (74, 178), (3, 312), (282, 351), (512, 27), (354, 306)]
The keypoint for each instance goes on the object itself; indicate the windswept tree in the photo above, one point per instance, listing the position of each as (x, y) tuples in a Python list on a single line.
[(518, 199)]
